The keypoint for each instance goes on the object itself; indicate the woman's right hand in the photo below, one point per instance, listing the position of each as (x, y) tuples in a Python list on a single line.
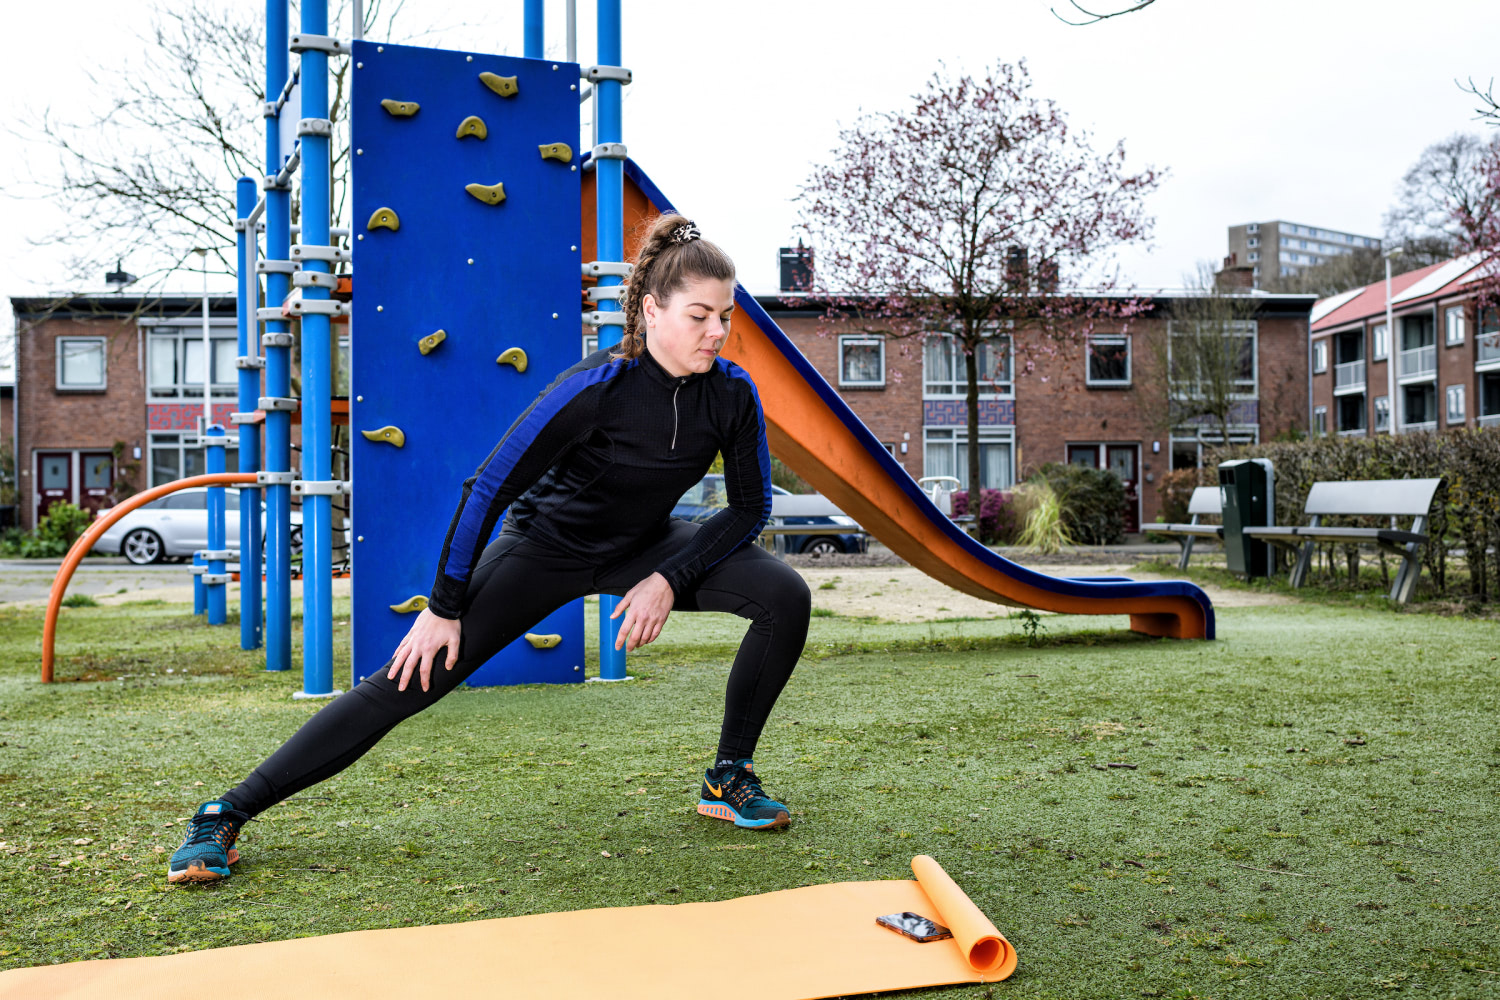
[(429, 633)]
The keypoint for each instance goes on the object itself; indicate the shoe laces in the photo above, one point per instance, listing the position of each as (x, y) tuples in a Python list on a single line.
[(215, 828), (744, 786)]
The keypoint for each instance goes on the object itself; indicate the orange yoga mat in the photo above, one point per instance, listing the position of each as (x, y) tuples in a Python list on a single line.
[(817, 941)]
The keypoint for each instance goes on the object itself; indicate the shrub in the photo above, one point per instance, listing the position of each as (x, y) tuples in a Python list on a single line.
[(997, 516), (1040, 511), (1176, 490), (1093, 502), (53, 536)]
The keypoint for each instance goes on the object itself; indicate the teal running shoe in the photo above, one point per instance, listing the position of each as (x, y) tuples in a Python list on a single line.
[(208, 850), (733, 793)]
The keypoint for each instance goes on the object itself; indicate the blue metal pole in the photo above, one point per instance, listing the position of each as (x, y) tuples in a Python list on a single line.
[(278, 217), (216, 592), (534, 30), (317, 389), (200, 598), (249, 390), (610, 187)]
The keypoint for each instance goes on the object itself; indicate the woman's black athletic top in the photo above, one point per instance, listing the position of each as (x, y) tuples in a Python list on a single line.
[(597, 462)]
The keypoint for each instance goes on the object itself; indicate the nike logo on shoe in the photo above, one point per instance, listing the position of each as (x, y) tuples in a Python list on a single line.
[(713, 788)]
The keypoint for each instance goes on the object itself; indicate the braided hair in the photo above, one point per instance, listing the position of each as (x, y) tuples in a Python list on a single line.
[(673, 253)]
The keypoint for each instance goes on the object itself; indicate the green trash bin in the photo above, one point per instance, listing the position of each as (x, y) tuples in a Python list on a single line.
[(1247, 492)]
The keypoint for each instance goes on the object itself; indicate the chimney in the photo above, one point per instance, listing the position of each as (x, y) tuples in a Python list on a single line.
[(796, 268), (119, 277), (1016, 267)]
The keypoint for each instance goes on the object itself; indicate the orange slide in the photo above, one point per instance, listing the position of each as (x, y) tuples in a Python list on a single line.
[(812, 430), (816, 941)]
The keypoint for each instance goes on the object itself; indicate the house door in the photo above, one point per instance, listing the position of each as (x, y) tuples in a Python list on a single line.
[(54, 480), (98, 471), (1124, 462)]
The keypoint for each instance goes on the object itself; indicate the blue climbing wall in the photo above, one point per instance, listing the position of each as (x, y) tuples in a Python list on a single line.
[(491, 276)]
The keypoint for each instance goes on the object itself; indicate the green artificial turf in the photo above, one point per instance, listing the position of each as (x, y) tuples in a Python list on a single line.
[(1254, 846)]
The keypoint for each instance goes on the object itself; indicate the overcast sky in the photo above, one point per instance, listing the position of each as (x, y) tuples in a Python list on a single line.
[(1277, 109)]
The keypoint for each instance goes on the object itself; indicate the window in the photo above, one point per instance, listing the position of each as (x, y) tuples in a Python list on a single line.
[(1206, 356), (80, 363), (1320, 420), (176, 362), (1253, 241), (1382, 413), (1382, 342), (944, 367), (1109, 360), (862, 362), (590, 343), (1254, 227), (171, 458), (1418, 405), (1285, 242), (341, 377), (945, 452), (1320, 356), (1190, 447), (1351, 412), (1254, 256), (1455, 404), (1453, 323)]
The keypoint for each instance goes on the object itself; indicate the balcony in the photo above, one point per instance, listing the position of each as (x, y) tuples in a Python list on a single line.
[(1489, 420), (1425, 425), (1419, 362), (1349, 377), (1488, 352)]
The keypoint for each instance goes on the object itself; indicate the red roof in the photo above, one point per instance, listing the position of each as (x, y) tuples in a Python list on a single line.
[(1369, 303)]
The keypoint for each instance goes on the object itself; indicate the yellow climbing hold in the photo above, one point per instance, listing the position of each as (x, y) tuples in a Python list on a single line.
[(409, 605), (473, 125), (428, 343), (513, 356), (490, 194), (387, 434), (505, 86), (543, 641), (559, 151), (384, 218), (401, 109)]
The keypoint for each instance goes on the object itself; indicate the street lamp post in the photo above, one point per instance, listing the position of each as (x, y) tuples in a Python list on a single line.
[(1392, 409), (208, 415)]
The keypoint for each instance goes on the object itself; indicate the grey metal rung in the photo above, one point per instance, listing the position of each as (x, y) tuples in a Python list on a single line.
[(275, 266), (314, 126), (241, 418), (239, 225), (602, 268), (247, 361), (273, 182), (275, 478), (221, 555), (309, 251), (276, 339), (272, 109), (593, 74), (269, 403), (609, 151), (319, 307), (318, 43), (314, 279), (209, 579), (269, 313), (320, 488), (604, 292), (598, 319), (198, 570)]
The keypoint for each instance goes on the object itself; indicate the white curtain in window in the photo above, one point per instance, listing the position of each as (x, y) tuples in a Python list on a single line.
[(82, 362), (163, 363)]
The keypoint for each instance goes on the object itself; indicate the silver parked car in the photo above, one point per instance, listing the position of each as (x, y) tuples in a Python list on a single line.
[(176, 525)]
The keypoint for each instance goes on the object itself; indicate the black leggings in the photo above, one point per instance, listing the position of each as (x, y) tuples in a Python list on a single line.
[(517, 583)]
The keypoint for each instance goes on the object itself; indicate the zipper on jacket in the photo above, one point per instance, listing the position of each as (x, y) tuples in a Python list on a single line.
[(674, 413)]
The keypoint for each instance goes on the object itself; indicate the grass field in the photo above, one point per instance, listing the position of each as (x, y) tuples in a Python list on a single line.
[(1307, 807)]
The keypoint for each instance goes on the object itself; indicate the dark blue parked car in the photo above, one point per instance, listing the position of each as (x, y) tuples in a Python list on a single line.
[(704, 499)]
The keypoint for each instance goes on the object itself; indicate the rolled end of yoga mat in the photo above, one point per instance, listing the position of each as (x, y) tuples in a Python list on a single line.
[(980, 942)]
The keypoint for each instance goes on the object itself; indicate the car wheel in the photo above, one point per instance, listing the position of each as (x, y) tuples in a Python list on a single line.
[(822, 546), (142, 547)]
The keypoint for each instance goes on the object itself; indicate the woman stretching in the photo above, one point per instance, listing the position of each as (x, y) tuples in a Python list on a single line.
[(590, 473)]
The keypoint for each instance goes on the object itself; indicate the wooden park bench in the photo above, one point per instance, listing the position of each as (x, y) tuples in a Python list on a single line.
[(1205, 500), (1393, 498)]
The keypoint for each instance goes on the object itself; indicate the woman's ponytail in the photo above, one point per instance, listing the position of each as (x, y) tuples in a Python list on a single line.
[(672, 254)]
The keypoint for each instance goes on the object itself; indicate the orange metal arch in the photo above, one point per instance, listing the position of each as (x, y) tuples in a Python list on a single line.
[(88, 538)]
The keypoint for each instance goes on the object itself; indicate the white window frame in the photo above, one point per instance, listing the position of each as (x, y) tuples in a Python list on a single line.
[(1254, 256), (1382, 414), (178, 442), (1113, 339), (590, 343), (1455, 413), (1380, 337), (1320, 420), (1253, 242), (847, 340), (1320, 356), (1248, 326), (955, 387), (1453, 325), (62, 344), (191, 390), (957, 438)]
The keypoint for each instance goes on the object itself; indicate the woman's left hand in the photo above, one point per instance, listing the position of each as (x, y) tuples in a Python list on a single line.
[(645, 607)]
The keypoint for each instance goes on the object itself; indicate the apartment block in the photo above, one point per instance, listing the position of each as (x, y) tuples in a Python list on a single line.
[(1282, 249)]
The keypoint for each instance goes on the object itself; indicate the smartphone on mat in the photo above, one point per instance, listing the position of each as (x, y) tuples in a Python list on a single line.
[(914, 926)]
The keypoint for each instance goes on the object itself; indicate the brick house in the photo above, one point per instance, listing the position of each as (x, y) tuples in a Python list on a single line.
[(1096, 403), (1448, 359), (109, 395)]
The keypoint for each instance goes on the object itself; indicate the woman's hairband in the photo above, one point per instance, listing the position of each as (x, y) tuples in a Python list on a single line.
[(686, 233)]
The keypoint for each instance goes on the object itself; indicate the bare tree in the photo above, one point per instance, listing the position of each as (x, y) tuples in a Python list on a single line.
[(1087, 16), (1444, 186), (1202, 359), (971, 215), (1345, 271)]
